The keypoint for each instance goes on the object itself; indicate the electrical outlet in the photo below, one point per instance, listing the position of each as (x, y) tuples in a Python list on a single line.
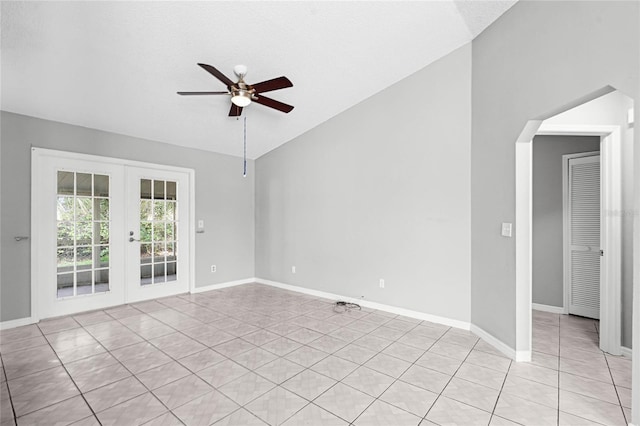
[(293, 269), (381, 283), (213, 268)]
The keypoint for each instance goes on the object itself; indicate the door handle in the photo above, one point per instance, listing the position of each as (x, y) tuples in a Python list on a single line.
[(131, 239)]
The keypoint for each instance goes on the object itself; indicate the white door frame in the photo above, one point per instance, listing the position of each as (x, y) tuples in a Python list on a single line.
[(36, 176), (610, 321)]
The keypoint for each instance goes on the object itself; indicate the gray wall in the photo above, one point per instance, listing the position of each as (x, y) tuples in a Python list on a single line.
[(224, 199), (538, 59), (547, 268), (380, 191)]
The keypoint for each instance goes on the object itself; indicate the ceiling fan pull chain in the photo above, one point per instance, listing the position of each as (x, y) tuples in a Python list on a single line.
[(244, 173)]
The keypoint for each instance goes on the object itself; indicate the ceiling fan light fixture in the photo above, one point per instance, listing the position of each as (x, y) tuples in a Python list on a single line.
[(241, 98)]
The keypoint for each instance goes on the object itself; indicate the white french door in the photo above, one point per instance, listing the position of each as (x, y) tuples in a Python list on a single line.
[(106, 233), (157, 234)]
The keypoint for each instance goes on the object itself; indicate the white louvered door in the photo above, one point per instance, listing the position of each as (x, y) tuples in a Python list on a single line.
[(584, 236)]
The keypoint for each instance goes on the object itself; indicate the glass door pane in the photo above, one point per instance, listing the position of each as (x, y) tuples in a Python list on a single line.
[(83, 240), (158, 237)]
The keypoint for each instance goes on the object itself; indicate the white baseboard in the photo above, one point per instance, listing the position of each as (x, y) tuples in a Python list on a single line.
[(223, 285), (372, 305), (548, 308), (5, 325), (523, 356), (519, 356), (628, 352)]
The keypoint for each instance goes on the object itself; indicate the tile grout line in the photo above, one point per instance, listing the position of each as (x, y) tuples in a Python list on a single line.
[(495, 405), (249, 370), (83, 327), (279, 357), (267, 313), (615, 388), (70, 378), (169, 410), (396, 379), (379, 352), (337, 381), (135, 375), (6, 383), (449, 381), (333, 354), (170, 307)]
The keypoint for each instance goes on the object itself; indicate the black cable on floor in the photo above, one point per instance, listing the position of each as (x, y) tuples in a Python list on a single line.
[(342, 306)]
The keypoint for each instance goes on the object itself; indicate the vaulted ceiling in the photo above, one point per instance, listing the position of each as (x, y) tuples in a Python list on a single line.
[(116, 66)]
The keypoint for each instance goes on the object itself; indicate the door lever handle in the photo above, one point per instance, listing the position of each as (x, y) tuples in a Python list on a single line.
[(131, 239)]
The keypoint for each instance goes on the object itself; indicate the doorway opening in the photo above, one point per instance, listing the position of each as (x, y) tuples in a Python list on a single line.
[(608, 118)]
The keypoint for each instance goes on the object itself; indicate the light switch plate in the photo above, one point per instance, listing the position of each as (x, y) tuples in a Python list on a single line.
[(506, 229)]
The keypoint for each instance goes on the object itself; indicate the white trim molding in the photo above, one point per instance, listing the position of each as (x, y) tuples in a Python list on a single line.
[(371, 305), (626, 352), (211, 287), (518, 356), (5, 325), (524, 237), (548, 308)]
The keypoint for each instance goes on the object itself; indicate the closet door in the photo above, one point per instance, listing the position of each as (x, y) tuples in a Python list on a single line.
[(584, 236)]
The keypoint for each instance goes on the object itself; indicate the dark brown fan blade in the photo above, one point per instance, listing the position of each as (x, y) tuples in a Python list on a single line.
[(235, 110), (272, 103), (217, 74), (273, 84), (203, 93)]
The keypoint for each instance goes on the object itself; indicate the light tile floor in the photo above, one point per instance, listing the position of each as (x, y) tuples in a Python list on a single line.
[(255, 355)]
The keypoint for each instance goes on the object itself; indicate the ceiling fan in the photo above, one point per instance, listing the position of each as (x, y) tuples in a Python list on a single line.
[(242, 94)]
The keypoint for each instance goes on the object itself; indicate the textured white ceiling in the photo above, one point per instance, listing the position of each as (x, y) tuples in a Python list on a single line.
[(116, 66)]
